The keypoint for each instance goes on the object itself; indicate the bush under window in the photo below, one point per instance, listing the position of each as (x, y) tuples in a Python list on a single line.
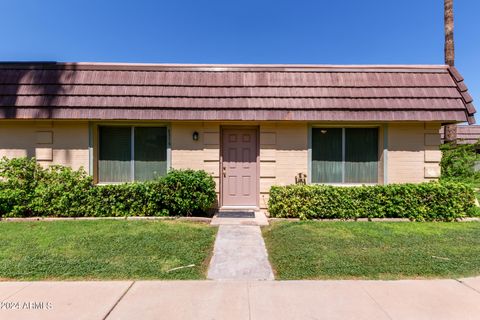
[(27, 189), (421, 202)]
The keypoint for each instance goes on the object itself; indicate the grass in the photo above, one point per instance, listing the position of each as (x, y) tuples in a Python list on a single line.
[(373, 250), (104, 249)]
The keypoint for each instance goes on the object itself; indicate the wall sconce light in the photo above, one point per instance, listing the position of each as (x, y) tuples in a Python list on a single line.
[(195, 136)]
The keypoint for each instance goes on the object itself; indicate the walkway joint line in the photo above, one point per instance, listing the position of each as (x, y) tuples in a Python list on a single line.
[(466, 285), (248, 299), (376, 302), (118, 300), (8, 297)]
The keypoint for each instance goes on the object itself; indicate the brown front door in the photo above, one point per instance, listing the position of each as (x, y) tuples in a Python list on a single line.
[(239, 167)]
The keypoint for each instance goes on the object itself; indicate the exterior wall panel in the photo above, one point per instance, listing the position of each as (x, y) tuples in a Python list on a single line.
[(413, 152), (51, 142)]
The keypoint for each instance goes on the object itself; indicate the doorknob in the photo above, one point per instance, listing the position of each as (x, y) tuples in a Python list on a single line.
[(224, 172)]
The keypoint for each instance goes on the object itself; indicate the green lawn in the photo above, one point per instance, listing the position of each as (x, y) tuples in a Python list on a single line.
[(104, 249), (373, 250)]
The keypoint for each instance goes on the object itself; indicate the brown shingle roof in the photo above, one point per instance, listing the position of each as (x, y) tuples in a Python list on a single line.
[(233, 92)]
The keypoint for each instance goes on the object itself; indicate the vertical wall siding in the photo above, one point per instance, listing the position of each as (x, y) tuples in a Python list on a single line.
[(413, 152), (51, 142)]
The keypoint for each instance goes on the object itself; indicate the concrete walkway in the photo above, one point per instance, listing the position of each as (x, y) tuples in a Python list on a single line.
[(406, 299), (239, 254)]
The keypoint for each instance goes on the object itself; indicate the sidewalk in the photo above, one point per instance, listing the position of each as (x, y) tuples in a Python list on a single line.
[(405, 299)]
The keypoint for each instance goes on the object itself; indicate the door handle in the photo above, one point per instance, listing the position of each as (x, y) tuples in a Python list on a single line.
[(224, 172)]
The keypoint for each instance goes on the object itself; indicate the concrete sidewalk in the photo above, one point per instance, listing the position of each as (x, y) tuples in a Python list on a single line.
[(405, 299)]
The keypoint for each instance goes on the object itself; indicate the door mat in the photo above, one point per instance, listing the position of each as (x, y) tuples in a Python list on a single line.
[(236, 214)]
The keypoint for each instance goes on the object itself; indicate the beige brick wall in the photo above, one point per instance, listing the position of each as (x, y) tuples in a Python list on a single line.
[(283, 155), (413, 152), (202, 154), (51, 142)]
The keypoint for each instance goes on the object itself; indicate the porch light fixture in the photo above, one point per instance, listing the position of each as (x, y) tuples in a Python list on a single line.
[(195, 136)]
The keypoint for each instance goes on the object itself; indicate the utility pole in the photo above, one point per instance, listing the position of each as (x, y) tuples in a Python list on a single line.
[(450, 130), (449, 43)]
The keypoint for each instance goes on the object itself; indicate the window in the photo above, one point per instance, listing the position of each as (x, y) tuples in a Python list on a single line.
[(131, 153), (344, 155)]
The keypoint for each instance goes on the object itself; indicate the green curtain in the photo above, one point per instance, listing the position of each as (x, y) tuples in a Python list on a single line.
[(114, 154), (327, 155), (361, 155), (150, 152)]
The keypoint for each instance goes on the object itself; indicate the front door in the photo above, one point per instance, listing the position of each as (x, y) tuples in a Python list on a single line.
[(239, 167)]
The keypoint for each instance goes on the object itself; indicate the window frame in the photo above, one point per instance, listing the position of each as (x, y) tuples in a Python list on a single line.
[(96, 146), (382, 148)]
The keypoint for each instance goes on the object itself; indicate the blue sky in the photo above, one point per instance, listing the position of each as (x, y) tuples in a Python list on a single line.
[(246, 31)]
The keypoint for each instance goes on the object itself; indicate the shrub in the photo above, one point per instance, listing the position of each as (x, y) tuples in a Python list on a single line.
[(180, 192), (128, 199), (421, 202), (19, 178), (62, 192), (458, 163), (26, 189), (189, 192)]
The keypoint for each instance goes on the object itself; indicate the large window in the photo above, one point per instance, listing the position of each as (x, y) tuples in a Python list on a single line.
[(344, 155), (131, 153)]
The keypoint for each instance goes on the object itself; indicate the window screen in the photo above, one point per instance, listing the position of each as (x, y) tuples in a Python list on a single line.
[(132, 153), (114, 160), (150, 153), (327, 155), (361, 155), (344, 155)]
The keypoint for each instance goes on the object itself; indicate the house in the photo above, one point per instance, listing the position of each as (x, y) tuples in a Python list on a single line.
[(463, 134), (250, 126)]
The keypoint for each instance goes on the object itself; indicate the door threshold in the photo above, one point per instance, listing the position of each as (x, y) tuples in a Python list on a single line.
[(238, 208)]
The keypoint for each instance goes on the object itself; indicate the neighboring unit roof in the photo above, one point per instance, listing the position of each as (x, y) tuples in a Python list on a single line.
[(233, 92), (465, 134)]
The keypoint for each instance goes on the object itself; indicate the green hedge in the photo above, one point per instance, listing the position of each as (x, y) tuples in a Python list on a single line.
[(421, 202), (27, 189)]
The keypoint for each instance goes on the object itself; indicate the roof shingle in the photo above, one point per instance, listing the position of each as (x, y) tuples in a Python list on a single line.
[(233, 92)]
